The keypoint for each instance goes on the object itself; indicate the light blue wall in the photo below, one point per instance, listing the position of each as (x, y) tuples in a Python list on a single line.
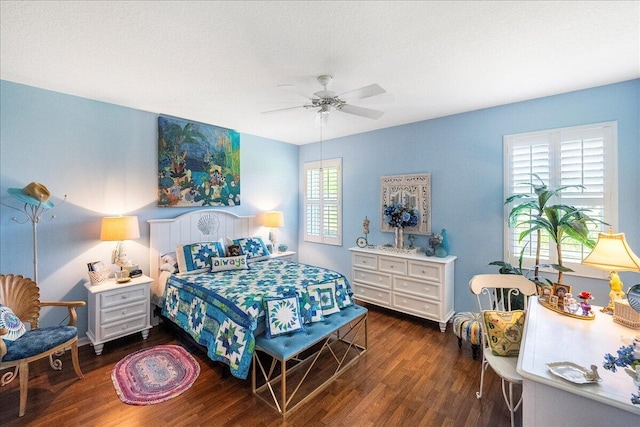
[(104, 158), (464, 154)]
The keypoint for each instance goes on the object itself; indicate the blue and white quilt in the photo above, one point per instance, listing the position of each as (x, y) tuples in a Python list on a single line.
[(222, 310)]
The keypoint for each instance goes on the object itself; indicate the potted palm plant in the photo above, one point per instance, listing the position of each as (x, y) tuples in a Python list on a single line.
[(560, 222)]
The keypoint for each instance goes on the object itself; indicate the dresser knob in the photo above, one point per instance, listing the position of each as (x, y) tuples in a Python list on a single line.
[(123, 297), (124, 311)]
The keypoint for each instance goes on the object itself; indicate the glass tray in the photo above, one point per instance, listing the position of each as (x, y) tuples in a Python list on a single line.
[(546, 305)]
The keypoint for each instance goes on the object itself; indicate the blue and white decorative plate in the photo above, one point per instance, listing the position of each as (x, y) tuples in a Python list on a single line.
[(634, 297)]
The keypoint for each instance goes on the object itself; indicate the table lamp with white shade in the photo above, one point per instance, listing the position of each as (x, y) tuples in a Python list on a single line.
[(274, 220), (612, 253), (119, 229)]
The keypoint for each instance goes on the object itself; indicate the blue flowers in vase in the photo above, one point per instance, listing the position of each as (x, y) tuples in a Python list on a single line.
[(400, 216)]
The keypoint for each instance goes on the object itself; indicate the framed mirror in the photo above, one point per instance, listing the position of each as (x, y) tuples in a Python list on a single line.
[(411, 190)]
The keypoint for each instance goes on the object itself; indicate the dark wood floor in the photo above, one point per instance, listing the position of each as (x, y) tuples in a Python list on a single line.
[(412, 375)]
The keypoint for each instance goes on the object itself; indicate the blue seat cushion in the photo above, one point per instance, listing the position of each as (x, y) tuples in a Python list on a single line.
[(38, 341), (286, 346)]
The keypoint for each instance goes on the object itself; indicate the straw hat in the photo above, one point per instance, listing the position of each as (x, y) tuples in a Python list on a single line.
[(34, 194)]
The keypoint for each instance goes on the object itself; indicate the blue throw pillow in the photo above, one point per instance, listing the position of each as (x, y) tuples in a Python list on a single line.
[(310, 306), (282, 315), (327, 293), (196, 257), (253, 247), (343, 293), (9, 320)]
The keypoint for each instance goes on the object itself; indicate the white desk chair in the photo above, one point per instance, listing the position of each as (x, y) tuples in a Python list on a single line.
[(494, 292)]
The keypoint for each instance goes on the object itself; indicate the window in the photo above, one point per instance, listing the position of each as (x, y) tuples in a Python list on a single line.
[(323, 202), (581, 155)]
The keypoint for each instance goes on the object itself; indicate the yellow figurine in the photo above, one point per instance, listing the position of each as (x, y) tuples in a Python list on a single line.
[(615, 284)]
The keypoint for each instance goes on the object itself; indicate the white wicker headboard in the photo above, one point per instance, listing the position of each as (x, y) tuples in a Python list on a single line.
[(202, 225)]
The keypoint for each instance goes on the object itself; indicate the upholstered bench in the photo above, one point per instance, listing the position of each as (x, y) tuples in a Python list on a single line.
[(468, 327), (334, 337)]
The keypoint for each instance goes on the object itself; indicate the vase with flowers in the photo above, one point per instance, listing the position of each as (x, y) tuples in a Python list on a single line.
[(399, 216)]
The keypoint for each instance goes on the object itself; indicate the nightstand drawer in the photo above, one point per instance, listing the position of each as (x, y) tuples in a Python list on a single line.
[(417, 306), (123, 296), (372, 278), (417, 288), (122, 312), (392, 265), (365, 261), (420, 270), (114, 330)]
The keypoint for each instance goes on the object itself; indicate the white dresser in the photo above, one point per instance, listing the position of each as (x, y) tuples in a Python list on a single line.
[(118, 309), (414, 284)]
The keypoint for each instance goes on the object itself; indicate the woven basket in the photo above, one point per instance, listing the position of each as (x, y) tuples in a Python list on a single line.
[(625, 315), (99, 276)]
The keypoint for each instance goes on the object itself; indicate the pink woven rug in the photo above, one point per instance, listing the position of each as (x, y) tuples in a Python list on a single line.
[(154, 375)]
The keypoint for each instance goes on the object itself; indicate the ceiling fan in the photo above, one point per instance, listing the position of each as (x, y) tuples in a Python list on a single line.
[(326, 100)]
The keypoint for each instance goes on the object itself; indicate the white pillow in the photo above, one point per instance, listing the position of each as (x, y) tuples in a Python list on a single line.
[(229, 263)]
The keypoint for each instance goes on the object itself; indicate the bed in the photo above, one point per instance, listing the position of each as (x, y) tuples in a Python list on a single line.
[(223, 310)]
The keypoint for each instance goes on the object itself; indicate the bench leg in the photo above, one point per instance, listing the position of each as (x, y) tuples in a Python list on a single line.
[(285, 403)]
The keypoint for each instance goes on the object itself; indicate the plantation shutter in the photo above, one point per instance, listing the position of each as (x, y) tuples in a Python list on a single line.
[(581, 155), (322, 204)]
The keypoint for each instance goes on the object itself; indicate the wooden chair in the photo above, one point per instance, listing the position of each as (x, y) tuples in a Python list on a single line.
[(494, 292), (22, 296)]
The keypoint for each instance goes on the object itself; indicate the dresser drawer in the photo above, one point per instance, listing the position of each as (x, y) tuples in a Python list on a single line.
[(426, 271), (420, 307), (374, 295), (418, 288), (392, 265), (123, 312), (118, 329), (373, 278), (365, 261), (123, 296)]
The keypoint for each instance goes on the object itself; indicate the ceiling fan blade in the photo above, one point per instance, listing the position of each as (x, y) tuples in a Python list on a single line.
[(283, 109), (295, 90), (363, 92), (361, 111)]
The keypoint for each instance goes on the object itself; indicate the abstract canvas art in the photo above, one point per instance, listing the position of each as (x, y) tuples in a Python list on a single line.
[(198, 164)]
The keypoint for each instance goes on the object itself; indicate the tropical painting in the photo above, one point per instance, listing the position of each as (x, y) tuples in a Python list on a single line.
[(198, 164)]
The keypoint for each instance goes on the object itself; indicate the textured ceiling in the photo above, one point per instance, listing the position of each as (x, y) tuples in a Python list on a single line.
[(221, 62)]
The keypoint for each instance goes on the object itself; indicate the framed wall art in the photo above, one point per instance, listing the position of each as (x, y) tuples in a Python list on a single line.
[(412, 191), (198, 164)]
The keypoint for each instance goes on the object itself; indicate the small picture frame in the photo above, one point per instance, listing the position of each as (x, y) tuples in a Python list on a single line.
[(95, 266), (561, 290), (545, 293), (553, 300)]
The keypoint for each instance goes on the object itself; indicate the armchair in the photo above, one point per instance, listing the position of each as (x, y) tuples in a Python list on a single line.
[(22, 296)]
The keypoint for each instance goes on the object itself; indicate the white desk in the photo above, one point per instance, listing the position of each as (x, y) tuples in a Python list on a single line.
[(549, 400)]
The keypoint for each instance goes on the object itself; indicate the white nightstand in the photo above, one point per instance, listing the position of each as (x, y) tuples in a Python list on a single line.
[(286, 255), (118, 309)]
